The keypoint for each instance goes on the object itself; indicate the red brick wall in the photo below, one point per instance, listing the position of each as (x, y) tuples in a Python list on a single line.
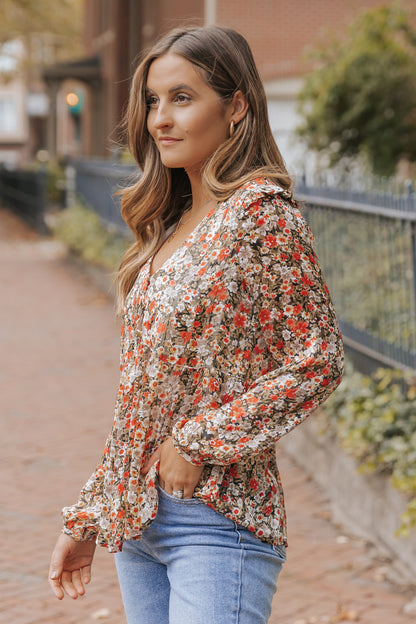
[(280, 31), (177, 13)]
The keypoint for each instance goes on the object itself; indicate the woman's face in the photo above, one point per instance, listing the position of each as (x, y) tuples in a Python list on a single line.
[(186, 118)]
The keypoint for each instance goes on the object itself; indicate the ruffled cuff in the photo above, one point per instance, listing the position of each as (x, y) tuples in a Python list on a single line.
[(79, 524)]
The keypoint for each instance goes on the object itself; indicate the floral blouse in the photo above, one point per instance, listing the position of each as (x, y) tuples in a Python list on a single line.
[(226, 348)]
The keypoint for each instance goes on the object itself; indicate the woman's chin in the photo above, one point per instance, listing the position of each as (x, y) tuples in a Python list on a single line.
[(172, 163)]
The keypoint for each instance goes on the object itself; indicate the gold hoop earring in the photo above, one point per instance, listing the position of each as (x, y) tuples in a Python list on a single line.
[(232, 127)]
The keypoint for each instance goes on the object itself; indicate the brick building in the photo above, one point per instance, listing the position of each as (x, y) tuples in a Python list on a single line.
[(115, 31), (280, 33)]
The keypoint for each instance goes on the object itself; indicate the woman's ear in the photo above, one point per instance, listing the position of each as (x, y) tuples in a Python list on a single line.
[(239, 107)]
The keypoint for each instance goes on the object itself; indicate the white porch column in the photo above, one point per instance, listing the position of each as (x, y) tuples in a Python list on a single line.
[(210, 12)]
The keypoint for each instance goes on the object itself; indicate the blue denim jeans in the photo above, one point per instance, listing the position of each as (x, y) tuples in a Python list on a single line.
[(194, 566)]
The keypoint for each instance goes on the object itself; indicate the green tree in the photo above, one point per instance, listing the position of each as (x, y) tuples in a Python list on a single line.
[(361, 99), (49, 31)]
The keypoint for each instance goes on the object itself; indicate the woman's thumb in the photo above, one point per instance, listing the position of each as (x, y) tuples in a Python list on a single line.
[(56, 566), (58, 557)]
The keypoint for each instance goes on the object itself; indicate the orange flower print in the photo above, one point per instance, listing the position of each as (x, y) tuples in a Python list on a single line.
[(225, 349)]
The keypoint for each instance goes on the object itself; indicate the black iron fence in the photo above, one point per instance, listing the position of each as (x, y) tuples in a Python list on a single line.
[(96, 183), (366, 242), (25, 193), (367, 247)]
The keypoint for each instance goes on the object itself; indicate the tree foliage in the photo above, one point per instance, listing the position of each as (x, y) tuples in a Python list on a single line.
[(361, 99), (19, 17), (49, 31)]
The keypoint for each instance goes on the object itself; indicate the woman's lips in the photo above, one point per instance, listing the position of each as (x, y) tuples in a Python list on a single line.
[(168, 140)]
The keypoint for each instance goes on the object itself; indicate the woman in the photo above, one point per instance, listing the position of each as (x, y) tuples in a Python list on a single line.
[(229, 340)]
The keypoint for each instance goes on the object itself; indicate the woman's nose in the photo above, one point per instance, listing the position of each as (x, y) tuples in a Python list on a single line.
[(163, 117)]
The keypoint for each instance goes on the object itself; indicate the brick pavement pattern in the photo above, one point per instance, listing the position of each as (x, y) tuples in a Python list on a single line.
[(59, 342)]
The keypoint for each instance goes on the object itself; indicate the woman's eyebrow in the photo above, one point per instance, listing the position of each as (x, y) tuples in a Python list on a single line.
[(178, 87)]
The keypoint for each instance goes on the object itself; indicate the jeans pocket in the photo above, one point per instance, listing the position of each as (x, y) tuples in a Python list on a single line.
[(280, 550), (175, 499)]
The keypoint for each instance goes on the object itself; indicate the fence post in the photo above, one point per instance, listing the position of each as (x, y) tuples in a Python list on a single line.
[(410, 197), (40, 201), (70, 186), (413, 235)]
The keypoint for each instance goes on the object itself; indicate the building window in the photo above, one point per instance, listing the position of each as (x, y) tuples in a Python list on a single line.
[(8, 115)]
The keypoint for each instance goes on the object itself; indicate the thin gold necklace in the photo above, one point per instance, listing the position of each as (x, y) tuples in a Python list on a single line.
[(181, 222)]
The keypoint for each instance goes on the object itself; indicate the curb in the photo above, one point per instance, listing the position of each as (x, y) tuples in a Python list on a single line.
[(365, 504)]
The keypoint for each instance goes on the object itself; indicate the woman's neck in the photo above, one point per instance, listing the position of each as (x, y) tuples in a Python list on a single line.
[(199, 194)]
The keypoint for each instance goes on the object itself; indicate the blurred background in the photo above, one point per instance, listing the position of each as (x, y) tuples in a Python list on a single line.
[(64, 74)]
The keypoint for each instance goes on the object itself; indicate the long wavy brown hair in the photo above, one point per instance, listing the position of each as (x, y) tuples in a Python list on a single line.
[(159, 197)]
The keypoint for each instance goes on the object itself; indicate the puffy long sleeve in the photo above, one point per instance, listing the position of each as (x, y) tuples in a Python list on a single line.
[(81, 520), (298, 337)]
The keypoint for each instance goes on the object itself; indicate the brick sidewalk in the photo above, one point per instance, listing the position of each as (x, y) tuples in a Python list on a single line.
[(60, 344)]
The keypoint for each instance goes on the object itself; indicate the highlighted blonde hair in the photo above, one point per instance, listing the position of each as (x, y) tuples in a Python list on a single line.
[(151, 205)]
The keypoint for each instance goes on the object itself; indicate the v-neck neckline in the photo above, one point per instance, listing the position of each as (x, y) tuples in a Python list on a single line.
[(185, 243)]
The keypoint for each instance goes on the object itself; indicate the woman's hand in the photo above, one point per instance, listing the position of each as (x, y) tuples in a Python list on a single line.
[(70, 568), (175, 473)]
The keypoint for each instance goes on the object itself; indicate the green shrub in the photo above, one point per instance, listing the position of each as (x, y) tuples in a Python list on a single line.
[(55, 179), (55, 183), (82, 230), (374, 419)]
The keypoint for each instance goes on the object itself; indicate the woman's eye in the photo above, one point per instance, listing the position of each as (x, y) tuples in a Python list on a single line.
[(182, 98), (151, 101)]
